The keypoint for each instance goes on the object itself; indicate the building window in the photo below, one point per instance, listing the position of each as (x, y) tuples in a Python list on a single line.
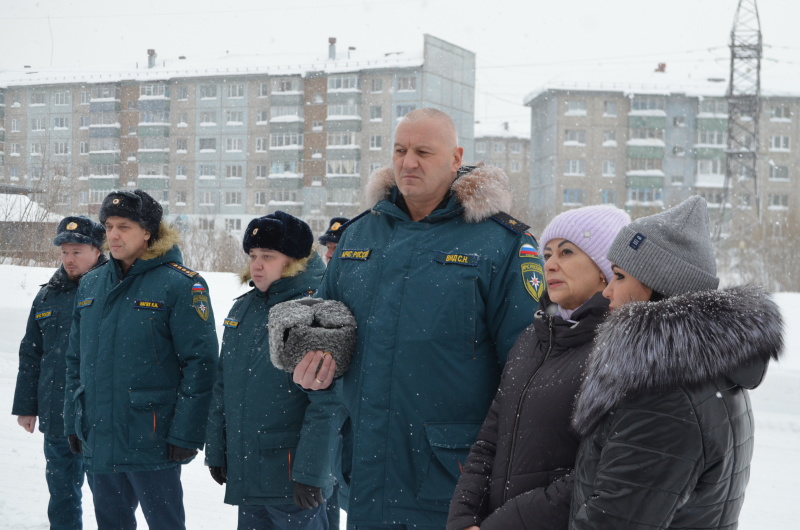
[(711, 137), (105, 92), (234, 172), (208, 91), (342, 82), (647, 133), (277, 111), (208, 118), (317, 125), (60, 123), (16, 149), (36, 149), (263, 90), (376, 113), (284, 84), (233, 145), (61, 98), (515, 147), (516, 166), (645, 194), (234, 117), (283, 166), (609, 138), (233, 224), (85, 97), (648, 103), (342, 167), (183, 93), (236, 91), (575, 137), (14, 125), (406, 83), (180, 198), (38, 124), (104, 144), (608, 196), (714, 106), (261, 145), (183, 119), (498, 147), (778, 172), (38, 98), (609, 168), (644, 164), (158, 89), (262, 116), (342, 138), (573, 196), (342, 196), (343, 109), (677, 180), (402, 110), (679, 121), (609, 109), (678, 151), (779, 143), (575, 167), (780, 112), (576, 107), (376, 85), (155, 116), (282, 195), (233, 197), (260, 198), (261, 171), (207, 144), (180, 170), (480, 147), (204, 223), (208, 171), (375, 141), (278, 140), (182, 144), (778, 200), (104, 170), (84, 148), (84, 122)]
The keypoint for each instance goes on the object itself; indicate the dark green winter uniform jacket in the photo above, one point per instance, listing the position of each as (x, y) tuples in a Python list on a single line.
[(141, 361), (438, 303), (42, 353), (260, 425)]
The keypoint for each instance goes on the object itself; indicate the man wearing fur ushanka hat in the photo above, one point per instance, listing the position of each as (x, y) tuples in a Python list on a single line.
[(258, 415), (140, 367), (664, 413), (441, 281)]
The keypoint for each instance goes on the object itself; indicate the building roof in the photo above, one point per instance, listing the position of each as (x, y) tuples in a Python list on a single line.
[(19, 208), (696, 76), (502, 130), (224, 65)]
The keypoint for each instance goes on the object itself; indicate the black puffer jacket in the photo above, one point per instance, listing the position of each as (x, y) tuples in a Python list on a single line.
[(667, 419), (514, 476)]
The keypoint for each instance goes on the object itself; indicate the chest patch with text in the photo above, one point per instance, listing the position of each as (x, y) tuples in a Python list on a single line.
[(358, 255), (448, 258), (149, 304)]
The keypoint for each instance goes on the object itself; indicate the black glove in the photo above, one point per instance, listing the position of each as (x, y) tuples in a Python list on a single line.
[(219, 474), (75, 444), (307, 497), (180, 454)]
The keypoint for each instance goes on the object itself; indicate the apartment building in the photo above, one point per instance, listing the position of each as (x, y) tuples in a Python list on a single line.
[(218, 142), (502, 146), (644, 146)]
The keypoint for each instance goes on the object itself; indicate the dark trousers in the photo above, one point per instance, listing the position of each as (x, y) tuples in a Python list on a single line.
[(64, 473), (392, 527), (282, 517), (116, 496)]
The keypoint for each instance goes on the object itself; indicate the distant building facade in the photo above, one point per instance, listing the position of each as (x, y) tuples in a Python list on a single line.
[(219, 144), (643, 149), (507, 149)]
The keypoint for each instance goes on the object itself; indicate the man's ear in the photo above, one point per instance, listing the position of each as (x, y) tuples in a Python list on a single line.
[(458, 155)]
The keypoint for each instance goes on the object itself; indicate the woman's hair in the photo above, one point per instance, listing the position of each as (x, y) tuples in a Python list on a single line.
[(296, 266)]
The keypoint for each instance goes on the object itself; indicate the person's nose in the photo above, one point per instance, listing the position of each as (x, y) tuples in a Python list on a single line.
[(410, 161)]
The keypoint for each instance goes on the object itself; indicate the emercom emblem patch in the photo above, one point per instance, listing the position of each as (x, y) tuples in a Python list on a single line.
[(533, 278), (200, 304)]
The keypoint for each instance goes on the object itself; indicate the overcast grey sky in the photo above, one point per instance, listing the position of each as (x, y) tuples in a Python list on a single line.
[(520, 44)]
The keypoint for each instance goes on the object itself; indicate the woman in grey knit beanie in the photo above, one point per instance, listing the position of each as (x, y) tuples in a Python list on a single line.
[(664, 413)]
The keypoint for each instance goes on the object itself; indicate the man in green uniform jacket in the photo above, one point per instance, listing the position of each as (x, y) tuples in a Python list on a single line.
[(140, 367), (440, 282), (42, 353)]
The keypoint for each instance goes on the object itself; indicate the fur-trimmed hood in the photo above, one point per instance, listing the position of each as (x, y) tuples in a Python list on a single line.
[(681, 341), (483, 192)]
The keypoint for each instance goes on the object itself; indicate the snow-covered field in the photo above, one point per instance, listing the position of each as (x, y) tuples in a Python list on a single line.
[(771, 495)]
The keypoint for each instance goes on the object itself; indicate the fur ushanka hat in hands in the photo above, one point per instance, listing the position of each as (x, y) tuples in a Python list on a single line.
[(309, 324)]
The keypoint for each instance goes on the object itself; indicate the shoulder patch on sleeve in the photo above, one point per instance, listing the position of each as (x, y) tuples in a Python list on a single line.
[(516, 226), (189, 273)]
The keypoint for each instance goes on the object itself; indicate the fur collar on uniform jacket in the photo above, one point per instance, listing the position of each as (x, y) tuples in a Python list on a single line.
[(680, 341), (483, 192)]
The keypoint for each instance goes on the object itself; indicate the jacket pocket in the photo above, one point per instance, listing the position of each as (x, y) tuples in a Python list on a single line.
[(149, 417), (448, 445), (276, 451)]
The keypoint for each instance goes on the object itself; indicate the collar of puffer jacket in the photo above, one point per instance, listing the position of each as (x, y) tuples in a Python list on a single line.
[(482, 192), (681, 341)]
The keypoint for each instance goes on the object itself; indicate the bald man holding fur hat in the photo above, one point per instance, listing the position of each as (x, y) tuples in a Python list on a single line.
[(140, 367)]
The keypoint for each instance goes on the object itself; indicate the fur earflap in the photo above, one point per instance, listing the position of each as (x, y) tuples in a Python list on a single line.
[(683, 340), (483, 192), (309, 324)]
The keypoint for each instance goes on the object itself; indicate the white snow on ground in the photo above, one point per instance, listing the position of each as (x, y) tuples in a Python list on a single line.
[(771, 495)]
